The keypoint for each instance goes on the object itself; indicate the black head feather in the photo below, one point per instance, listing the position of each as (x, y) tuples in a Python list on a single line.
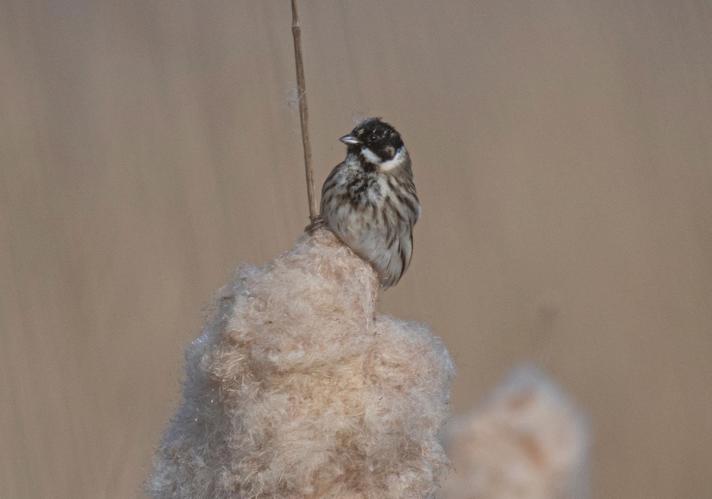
[(378, 136)]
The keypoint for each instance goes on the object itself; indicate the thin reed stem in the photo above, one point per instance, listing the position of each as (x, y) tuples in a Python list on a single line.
[(303, 111)]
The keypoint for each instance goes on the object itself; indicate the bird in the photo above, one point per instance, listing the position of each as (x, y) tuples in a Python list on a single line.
[(369, 200)]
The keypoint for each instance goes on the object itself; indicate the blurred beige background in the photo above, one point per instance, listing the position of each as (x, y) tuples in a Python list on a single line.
[(562, 151)]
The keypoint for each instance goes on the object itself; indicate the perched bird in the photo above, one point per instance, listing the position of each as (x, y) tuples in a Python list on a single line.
[(369, 199)]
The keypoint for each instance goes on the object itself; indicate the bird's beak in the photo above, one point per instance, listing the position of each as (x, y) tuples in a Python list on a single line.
[(349, 140)]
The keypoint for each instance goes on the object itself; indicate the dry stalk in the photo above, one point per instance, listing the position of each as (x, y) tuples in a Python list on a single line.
[(303, 111)]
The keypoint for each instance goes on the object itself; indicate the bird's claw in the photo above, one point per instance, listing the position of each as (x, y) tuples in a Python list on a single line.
[(316, 223)]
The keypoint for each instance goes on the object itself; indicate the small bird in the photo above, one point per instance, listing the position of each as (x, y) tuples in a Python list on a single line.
[(369, 199)]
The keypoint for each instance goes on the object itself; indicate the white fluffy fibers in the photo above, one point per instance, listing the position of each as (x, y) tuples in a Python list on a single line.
[(297, 389), (526, 442)]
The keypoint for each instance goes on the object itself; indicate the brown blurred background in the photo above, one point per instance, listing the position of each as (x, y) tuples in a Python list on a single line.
[(562, 151)]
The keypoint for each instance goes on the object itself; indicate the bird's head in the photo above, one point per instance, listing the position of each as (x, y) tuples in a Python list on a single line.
[(377, 143)]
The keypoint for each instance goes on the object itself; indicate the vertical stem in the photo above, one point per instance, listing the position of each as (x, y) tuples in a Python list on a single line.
[(303, 111)]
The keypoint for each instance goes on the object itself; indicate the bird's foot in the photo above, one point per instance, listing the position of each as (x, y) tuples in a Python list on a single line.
[(316, 223)]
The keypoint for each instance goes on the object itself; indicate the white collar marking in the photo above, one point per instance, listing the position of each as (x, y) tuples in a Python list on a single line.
[(384, 166), (370, 156), (395, 162)]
